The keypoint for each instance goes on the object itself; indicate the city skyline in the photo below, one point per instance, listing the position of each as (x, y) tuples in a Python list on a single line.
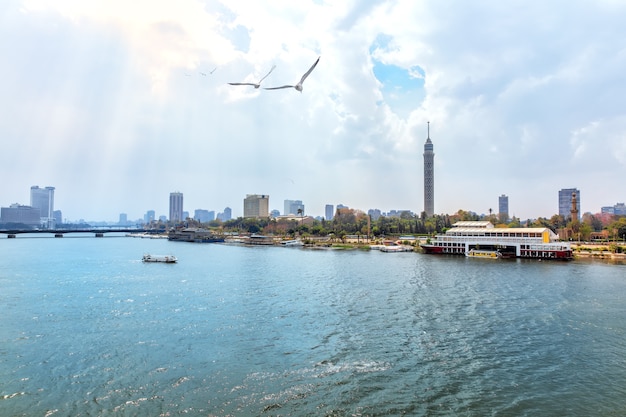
[(563, 208), (525, 99)]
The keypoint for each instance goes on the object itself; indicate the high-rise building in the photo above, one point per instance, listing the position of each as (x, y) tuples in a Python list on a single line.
[(503, 208), (429, 176), (374, 214), (255, 205), (204, 216), (176, 207), (292, 207), (329, 212), (226, 215), (123, 219), (565, 202), (58, 217), (149, 217), (19, 214), (43, 199)]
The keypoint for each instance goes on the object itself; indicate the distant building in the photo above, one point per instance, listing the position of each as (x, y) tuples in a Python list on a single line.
[(397, 213), (374, 214), (204, 216), (503, 208), (176, 207), (275, 213), (565, 202), (16, 213), (149, 217), (185, 215), (226, 215), (256, 205), (123, 219), (58, 217), (292, 207), (329, 212), (619, 209), (43, 199), (429, 176)]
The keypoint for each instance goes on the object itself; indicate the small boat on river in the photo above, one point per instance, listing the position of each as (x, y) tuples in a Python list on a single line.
[(483, 254), (167, 259)]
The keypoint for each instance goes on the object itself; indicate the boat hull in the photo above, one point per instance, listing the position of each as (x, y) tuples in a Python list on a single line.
[(166, 259)]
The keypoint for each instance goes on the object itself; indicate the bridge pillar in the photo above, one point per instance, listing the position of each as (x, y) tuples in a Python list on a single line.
[(11, 236), (99, 234), (58, 235)]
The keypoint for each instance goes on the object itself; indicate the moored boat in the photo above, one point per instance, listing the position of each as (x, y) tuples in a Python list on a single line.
[(167, 259), (194, 234), (484, 254), (531, 242), (292, 243)]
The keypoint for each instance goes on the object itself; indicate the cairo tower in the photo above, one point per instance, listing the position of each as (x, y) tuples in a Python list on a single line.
[(429, 176)]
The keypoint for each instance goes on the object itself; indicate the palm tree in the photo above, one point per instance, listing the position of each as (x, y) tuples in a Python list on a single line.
[(301, 214)]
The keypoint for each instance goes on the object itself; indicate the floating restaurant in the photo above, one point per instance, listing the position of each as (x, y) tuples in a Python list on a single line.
[(532, 242)]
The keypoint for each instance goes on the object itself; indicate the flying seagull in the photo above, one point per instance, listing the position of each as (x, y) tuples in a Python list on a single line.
[(210, 72), (256, 85), (299, 85)]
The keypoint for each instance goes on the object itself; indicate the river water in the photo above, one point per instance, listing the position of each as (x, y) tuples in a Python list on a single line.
[(87, 329)]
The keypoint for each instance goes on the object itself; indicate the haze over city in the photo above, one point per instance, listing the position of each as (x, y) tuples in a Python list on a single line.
[(117, 104)]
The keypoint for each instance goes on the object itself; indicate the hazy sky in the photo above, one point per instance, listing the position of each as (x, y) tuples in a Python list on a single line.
[(113, 103)]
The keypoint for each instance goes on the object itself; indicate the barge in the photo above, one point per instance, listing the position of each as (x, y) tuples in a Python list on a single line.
[(194, 234), (531, 242)]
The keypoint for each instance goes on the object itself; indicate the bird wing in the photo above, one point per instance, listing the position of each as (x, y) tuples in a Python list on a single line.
[(242, 84), (306, 74), (273, 66), (278, 88)]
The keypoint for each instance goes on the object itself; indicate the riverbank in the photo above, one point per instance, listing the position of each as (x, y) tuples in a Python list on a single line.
[(599, 251)]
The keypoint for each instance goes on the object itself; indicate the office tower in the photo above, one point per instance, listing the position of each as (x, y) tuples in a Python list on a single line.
[(374, 214), (329, 212), (58, 217), (255, 205), (565, 202), (176, 207), (204, 216), (429, 176), (226, 215), (19, 214), (503, 208), (43, 199), (149, 217), (292, 207), (123, 219)]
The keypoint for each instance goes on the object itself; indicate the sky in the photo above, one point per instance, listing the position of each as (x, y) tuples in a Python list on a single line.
[(118, 103)]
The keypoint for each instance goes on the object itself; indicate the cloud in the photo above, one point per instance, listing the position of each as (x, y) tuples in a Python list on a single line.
[(116, 98)]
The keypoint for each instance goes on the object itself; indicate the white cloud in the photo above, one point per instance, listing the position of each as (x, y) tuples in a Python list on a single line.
[(523, 99)]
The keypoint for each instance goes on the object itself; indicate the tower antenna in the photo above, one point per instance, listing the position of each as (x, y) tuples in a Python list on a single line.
[(428, 130)]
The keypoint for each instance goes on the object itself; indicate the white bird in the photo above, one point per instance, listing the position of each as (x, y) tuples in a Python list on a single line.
[(256, 85), (299, 85)]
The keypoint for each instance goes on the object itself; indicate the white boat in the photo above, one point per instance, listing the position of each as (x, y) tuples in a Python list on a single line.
[(515, 242), (394, 247), (167, 259), (293, 242), (483, 254)]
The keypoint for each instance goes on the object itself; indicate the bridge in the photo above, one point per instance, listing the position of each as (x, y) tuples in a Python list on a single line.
[(97, 231)]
